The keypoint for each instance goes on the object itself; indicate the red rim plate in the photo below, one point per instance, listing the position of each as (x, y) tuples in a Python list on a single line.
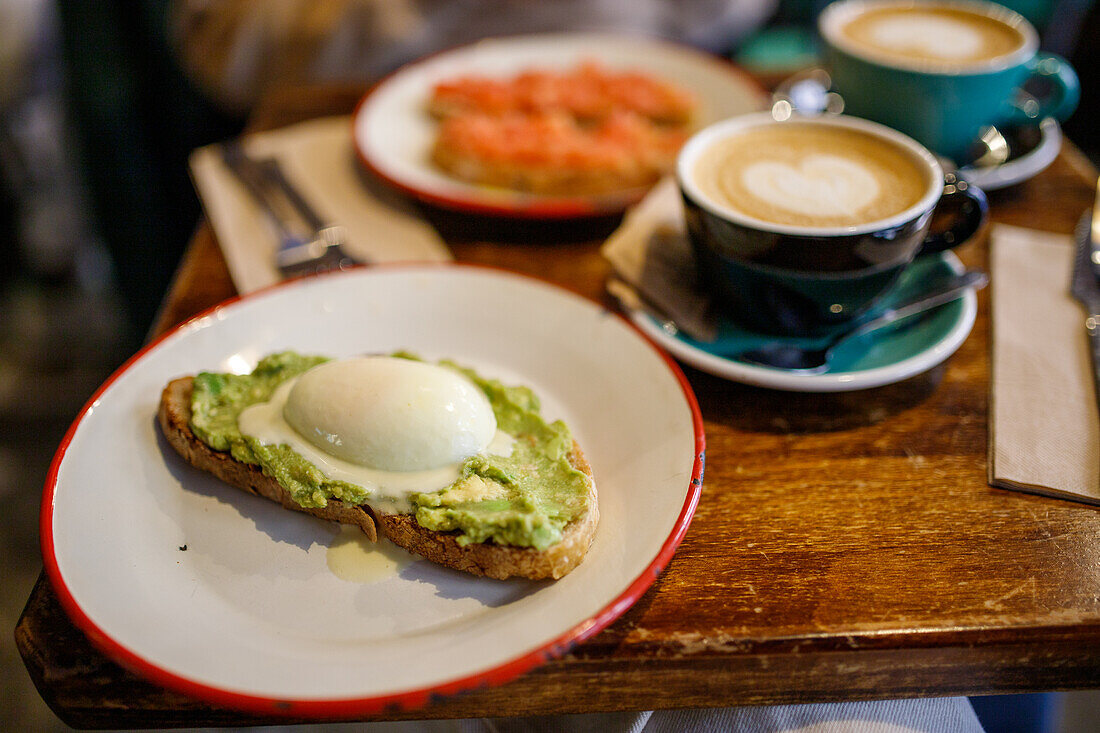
[(532, 206), (406, 700)]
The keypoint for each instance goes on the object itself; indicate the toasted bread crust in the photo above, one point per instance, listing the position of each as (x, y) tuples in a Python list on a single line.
[(488, 559)]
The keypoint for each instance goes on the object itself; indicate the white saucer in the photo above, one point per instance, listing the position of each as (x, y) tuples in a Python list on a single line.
[(1021, 165)]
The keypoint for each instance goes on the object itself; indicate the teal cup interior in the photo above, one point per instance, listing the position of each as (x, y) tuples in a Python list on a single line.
[(945, 105)]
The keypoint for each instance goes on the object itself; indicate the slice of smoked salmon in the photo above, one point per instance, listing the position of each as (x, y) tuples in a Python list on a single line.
[(553, 153), (588, 92)]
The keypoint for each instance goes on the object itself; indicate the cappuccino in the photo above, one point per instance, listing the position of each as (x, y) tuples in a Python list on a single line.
[(930, 33), (808, 175)]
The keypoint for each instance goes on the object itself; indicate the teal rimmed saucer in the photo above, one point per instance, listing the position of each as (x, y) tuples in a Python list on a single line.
[(891, 354)]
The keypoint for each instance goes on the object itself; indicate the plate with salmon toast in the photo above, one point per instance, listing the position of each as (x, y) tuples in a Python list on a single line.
[(291, 503), (544, 126)]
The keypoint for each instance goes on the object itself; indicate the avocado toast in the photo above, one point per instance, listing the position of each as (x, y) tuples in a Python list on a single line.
[(447, 526)]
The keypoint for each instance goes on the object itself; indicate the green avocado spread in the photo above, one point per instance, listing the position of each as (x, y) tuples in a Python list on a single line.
[(524, 499)]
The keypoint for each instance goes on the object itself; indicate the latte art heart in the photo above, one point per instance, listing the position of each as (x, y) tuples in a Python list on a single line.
[(822, 185), (928, 35), (809, 175)]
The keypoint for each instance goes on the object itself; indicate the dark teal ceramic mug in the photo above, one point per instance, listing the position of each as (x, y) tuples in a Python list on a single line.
[(942, 71), (800, 226)]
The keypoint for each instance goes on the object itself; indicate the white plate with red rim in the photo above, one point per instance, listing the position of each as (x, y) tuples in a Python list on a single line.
[(393, 133), (228, 598)]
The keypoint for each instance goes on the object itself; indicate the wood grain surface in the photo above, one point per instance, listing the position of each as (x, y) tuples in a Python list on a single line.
[(845, 547)]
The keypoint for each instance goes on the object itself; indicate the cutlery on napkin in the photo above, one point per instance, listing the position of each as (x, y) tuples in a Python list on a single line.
[(319, 157), (1044, 427)]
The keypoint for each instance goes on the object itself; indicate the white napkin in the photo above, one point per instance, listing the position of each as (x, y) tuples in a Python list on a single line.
[(1044, 429), (654, 266), (319, 159)]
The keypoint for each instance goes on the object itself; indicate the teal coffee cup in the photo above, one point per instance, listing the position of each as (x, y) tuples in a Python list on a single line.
[(942, 71)]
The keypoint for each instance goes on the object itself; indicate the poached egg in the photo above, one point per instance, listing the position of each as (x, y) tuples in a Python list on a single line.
[(393, 426)]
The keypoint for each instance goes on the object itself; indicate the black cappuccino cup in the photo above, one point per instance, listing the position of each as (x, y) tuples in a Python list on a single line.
[(801, 226)]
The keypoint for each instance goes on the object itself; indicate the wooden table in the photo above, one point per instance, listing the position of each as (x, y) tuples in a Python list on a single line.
[(846, 546)]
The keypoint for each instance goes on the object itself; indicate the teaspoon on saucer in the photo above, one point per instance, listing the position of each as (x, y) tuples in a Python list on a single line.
[(781, 354)]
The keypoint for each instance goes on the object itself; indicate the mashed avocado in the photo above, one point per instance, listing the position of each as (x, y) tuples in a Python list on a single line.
[(216, 402), (524, 499)]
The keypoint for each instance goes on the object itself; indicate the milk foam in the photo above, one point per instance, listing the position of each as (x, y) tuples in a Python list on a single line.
[(926, 34), (809, 175), (933, 33), (823, 185)]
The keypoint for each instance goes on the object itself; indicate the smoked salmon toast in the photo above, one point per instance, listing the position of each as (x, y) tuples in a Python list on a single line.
[(584, 131), (554, 154)]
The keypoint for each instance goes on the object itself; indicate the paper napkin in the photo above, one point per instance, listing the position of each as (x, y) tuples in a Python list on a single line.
[(1044, 430), (319, 159), (654, 267)]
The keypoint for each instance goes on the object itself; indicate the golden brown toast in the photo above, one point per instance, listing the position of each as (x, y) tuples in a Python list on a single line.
[(489, 559)]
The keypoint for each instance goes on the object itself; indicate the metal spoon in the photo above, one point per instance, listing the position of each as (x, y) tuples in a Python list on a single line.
[(783, 355)]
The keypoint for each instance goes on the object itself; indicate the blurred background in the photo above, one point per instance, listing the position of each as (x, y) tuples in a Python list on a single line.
[(100, 104)]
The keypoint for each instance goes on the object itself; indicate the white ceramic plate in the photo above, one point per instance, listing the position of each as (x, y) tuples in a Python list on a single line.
[(249, 615), (393, 133), (883, 357)]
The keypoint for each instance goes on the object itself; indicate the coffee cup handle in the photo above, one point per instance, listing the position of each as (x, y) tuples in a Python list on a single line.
[(1065, 91), (970, 207)]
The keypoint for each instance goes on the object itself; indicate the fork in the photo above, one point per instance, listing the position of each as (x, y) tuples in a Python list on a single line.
[(307, 243)]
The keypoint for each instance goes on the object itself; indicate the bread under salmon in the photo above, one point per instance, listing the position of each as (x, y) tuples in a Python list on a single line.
[(486, 558)]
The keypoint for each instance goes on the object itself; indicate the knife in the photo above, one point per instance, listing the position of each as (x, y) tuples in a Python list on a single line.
[(1094, 244), (307, 244), (1085, 285)]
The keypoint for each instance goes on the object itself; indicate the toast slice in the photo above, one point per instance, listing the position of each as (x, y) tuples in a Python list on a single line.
[(486, 559)]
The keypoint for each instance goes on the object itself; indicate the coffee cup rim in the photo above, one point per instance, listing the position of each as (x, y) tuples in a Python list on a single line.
[(705, 137), (835, 14)]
